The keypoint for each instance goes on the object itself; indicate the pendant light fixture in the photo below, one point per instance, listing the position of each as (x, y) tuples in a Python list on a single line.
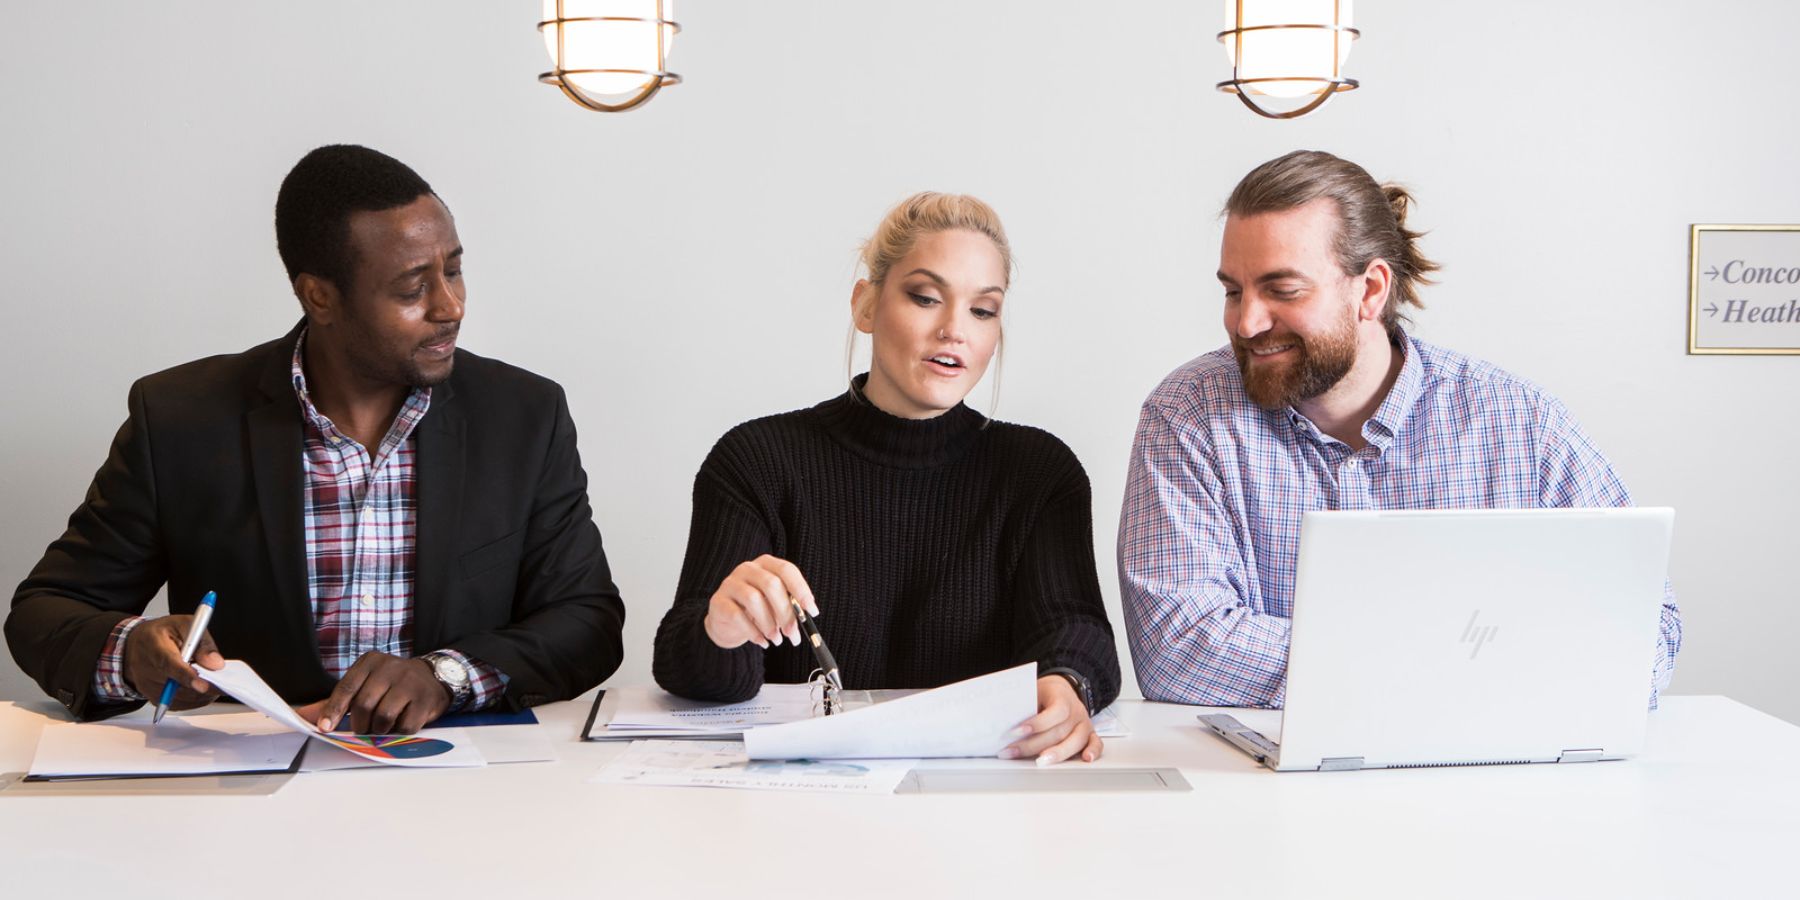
[(609, 55), (1287, 49)]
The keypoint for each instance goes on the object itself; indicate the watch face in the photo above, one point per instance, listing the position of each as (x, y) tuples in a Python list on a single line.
[(449, 672)]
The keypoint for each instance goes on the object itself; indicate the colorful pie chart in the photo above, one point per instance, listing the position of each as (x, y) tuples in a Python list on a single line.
[(390, 746)]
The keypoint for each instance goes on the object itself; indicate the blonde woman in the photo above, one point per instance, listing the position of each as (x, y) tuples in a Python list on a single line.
[(932, 544)]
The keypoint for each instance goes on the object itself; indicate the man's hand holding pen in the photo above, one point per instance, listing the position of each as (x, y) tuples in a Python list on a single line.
[(153, 658)]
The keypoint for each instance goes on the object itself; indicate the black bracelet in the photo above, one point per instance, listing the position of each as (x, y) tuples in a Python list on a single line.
[(1081, 686)]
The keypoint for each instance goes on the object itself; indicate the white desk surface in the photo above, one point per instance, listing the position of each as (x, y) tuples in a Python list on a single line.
[(1713, 810)]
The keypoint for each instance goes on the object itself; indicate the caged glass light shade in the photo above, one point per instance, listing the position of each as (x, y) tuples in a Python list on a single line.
[(609, 55), (1287, 49)]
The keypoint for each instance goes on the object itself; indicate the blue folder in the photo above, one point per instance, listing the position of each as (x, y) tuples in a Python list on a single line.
[(472, 719)]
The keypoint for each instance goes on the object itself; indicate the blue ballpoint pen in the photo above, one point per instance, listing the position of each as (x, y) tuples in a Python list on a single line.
[(202, 616)]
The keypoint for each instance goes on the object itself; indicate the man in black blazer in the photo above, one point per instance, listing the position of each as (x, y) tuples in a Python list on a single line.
[(395, 528)]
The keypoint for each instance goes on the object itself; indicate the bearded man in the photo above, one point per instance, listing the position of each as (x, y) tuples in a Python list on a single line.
[(1322, 402)]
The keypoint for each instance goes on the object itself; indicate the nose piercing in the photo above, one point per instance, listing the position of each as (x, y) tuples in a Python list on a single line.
[(943, 335)]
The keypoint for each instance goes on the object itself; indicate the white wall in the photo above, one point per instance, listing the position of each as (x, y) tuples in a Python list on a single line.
[(686, 266)]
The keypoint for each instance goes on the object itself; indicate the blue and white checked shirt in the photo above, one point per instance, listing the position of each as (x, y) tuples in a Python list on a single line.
[(1211, 525)]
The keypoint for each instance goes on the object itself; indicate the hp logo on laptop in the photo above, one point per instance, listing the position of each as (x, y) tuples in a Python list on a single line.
[(1478, 634)]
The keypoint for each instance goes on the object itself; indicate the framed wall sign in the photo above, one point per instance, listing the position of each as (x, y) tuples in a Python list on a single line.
[(1744, 289)]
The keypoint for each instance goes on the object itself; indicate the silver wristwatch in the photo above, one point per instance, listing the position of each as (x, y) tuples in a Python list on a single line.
[(453, 675)]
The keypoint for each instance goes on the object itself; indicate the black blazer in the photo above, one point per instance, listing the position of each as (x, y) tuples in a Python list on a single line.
[(203, 490)]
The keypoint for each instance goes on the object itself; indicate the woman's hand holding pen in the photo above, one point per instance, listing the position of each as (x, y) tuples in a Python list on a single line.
[(153, 658), (751, 604), (1060, 730)]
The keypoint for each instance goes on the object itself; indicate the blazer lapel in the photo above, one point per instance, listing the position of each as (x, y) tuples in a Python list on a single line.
[(275, 448), (442, 445)]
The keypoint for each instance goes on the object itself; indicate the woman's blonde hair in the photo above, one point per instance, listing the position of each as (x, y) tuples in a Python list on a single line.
[(924, 213)]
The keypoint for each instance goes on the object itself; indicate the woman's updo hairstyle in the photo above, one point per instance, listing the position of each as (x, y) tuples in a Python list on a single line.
[(927, 212)]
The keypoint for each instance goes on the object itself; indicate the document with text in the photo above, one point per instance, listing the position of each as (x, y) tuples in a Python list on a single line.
[(641, 712), (968, 718), (724, 764)]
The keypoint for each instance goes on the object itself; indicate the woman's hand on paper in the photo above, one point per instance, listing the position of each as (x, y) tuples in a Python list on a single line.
[(153, 657), (751, 604), (1060, 730)]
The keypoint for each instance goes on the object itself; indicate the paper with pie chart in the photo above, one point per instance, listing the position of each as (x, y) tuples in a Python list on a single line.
[(446, 747)]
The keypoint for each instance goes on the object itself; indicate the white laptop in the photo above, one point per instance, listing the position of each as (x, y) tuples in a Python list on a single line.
[(1468, 637)]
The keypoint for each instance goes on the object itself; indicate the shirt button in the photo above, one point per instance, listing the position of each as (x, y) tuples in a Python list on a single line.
[(368, 599)]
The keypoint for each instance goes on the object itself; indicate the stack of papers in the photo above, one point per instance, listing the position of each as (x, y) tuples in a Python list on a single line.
[(131, 747), (636, 713), (639, 713), (867, 750), (975, 717), (445, 747), (270, 739)]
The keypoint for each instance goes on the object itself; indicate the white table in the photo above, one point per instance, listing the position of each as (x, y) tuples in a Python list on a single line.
[(1713, 810)]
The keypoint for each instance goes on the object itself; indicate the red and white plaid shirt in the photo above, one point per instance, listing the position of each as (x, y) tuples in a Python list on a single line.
[(361, 520)]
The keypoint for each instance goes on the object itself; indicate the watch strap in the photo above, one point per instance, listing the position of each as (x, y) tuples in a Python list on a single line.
[(1080, 682)]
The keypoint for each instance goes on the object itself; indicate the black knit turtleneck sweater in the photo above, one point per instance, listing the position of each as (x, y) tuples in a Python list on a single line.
[(938, 550)]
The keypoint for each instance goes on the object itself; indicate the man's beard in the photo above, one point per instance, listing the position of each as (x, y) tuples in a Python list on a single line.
[(1322, 361)]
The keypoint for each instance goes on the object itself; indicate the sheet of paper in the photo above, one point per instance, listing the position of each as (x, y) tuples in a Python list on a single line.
[(497, 743), (650, 710), (447, 747), (179, 745), (244, 685), (968, 718), (1107, 724), (724, 764), (514, 743)]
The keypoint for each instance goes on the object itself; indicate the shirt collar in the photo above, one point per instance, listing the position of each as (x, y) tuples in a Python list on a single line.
[(417, 403), (1385, 424)]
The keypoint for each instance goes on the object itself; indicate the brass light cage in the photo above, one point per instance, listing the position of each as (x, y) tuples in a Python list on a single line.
[(1328, 86), (659, 78)]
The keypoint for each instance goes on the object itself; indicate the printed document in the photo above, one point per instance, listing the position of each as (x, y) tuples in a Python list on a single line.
[(968, 718), (693, 763), (633, 713), (438, 748), (131, 747)]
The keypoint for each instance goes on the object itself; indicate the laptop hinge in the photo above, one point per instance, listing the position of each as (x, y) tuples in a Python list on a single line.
[(1581, 756), (1340, 763)]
